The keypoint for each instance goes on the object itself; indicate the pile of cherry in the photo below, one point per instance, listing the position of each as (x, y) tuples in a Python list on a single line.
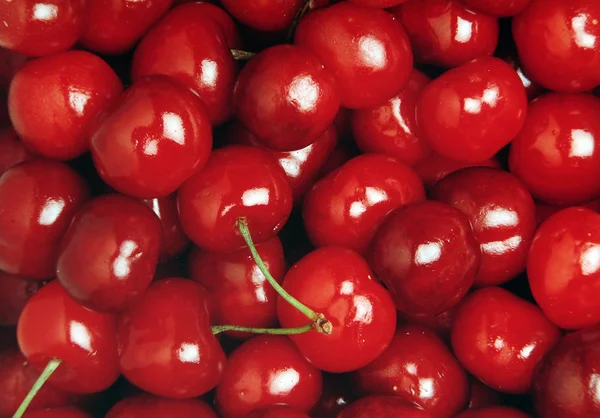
[(288, 209)]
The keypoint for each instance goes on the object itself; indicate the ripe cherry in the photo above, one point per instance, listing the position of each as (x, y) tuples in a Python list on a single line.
[(499, 8), (441, 323), (174, 240), (509, 54), (383, 4), (212, 10), (15, 291), (266, 16), (276, 411), (60, 412), (435, 167), (493, 412), (383, 406), (148, 406), (12, 150)]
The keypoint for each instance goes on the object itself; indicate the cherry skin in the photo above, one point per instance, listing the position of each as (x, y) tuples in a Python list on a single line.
[(338, 283), (482, 396), (543, 210), (166, 346), (264, 15), (439, 258), (212, 10), (561, 267), (498, 8), (493, 412), (276, 411), (365, 49), (383, 4), (347, 206), (189, 47), (436, 29), (174, 240), (435, 167), (556, 153), (335, 396), (517, 336), (36, 28), (38, 199), (53, 102), (15, 291), (470, 112), (441, 323), (558, 43), (237, 181), (60, 412), (510, 55), (383, 406), (402, 371), (391, 128), (148, 406), (12, 150), (153, 139), (502, 214)]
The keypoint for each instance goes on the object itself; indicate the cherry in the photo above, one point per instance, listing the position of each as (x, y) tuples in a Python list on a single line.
[(347, 206), (391, 128), (563, 267), (335, 396), (39, 198), (236, 181), (499, 8), (482, 396), (378, 3), (264, 15), (445, 33), (494, 412), (190, 47), (174, 240), (338, 283), (14, 293), (10, 62), (557, 43), (61, 412), (435, 167), (211, 10), (365, 49), (440, 323), (53, 102), (470, 112), (341, 154), (12, 150), (383, 406), (166, 346), (153, 139), (35, 28), (502, 214), (543, 210), (418, 368), (517, 336), (276, 411), (556, 153), (510, 55), (148, 406)]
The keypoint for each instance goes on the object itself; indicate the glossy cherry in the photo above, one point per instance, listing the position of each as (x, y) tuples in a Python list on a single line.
[(276, 411), (509, 54), (174, 240), (213, 10), (264, 15), (435, 167), (38, 199), (502, 214), (365, 49), (383, 406), (148, 406), (153, 139), (335, 396), (493, 412), (15, 291), (499, 8), (60, 412), (12, 150), (470, 112)]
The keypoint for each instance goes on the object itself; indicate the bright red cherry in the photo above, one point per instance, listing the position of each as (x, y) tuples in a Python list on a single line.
[(60, 412), (502, 214), (383, 406), (335, 396), (12, 150), (563, 267), (557, 153), (338, 283), (558, 44), (237, 181), (212, 9), (500, 338), (365, 49), (445, 33), (435, 167), (264, 15), (418, 368), (15, 291), (174, 240), (470, 112), (493, 412), (153, 139), (38, 198), (166, 346), (276, 411), (347, 206), (499, 8), (53, 102), (148, 406)]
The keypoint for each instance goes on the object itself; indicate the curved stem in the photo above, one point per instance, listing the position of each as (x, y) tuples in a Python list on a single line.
[(46, 373), (217, 329), (301, 12), (241, 55)]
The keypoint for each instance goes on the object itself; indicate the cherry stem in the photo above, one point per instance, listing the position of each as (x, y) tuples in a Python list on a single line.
[(301, 12), (46, 373), (241, 55), (217, 329)]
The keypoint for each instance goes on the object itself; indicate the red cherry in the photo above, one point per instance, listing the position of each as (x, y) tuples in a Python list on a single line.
[(341, 154), (347, 206), (558, 43), (166, 346), (391, 128), (335, 396), (440, 324), (236, 181), (61, 412), (502, 214), (435, 167), (174, 240), (418, 368), (148, 406), (276, 411), (263, 15), (499, 8), (35, 28), (543, 210), (516, 336), (556, 153), (563, 267), (383, 406), (470, 112), (365, 49), (378, 3), (38, 198), (53, 102), (212, 10), (494, 412), (15, 291), (509, 55), (445, 33), (482, 396), (338, 283), (154, 138), (12, 150)]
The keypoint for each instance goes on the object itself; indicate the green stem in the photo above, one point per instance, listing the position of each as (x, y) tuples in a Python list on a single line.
[(301, 12), (50, 368), (217, 329), (241, 55)]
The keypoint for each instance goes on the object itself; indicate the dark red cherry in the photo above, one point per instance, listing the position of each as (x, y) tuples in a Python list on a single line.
[(502, 214), (418, 368), (10, 63), (563, 267), (53, 102), (236, 181), (383, 406), (166, 346), (445, 33), (15, 291), (12, 150), (558, 43), (557, 153), (264, 15), (347, 206), (148, 406), (471, 112), (60, 412), (493, 412), (427, 256), (365, 49), (435, 167), (190, 47), (38, 198), (482, 396), (338, 283), (174, 240), (499, 8), (212, 9), (35, 28), (440, 323), (276, 411), (500, 338), (391, 128), (378, 3), (335, 396), (344, 151), (509, 55), (153, 139)]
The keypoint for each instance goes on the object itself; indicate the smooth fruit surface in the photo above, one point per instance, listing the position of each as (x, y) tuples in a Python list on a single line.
[(148, 406), (382, 406)]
